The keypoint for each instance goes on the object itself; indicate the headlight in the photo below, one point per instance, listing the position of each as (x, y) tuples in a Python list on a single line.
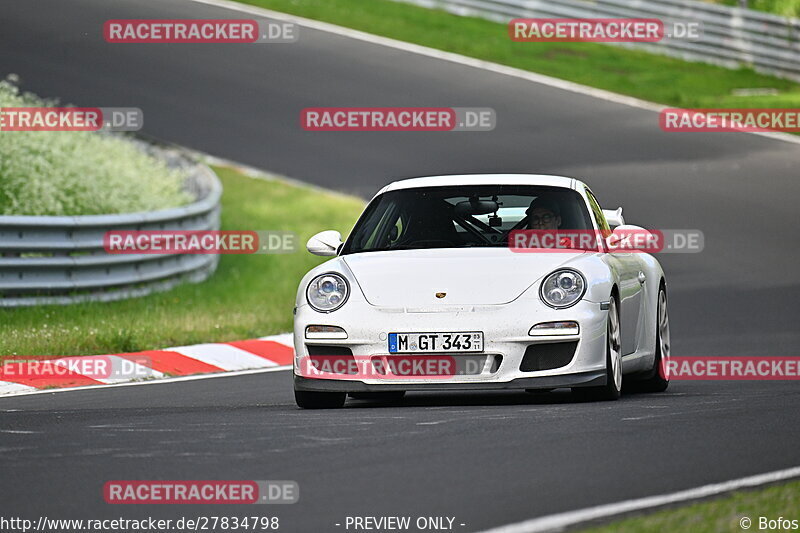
[(327, 292), (563, 288)]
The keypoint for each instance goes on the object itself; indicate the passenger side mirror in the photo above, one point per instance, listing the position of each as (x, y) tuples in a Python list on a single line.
[(325, 243), (628, 237), (614, 217)]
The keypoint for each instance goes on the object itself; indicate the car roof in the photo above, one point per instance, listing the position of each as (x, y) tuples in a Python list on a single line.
[(482, 179)]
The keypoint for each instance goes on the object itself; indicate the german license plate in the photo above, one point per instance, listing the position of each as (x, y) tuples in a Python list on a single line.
[(461, 341)]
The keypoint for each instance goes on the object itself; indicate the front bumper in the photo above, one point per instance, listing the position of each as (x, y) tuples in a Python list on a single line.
[(582, 379), (506, 338)]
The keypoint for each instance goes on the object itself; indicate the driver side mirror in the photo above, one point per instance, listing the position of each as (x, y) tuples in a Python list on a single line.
[(325, 243)]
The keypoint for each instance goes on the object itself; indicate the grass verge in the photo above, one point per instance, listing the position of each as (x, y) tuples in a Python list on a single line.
[(786, 8), (249, 296), (720, 515), (634, 73)]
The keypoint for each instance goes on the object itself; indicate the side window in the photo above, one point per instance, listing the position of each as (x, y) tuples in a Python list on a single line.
[(598, 213), (397, 230), (379, 236)]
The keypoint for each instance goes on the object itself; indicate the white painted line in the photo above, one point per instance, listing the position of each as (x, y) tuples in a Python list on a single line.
[(463, 60), (224, 356), (195, 377), (253, 172), (6, 387), (560, 521)]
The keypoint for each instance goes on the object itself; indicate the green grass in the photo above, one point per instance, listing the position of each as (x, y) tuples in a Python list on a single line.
[(648, 76), (78, 173), (249, 296), (786, 8), (719, 515)]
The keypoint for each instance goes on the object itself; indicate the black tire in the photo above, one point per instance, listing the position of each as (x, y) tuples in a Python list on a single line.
[(319, 400), (658, 380), (385, 396), (612, 390)]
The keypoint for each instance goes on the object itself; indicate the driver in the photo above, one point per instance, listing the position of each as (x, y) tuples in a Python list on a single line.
[(543, 214)]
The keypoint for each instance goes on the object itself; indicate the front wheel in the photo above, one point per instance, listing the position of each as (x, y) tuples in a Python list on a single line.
[(612, 390), (659, 380), (319, 400)]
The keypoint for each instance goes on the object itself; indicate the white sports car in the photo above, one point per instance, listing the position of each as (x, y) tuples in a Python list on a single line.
[(427, 294)]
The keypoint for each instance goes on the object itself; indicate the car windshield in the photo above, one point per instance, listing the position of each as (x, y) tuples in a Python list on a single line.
[(463, 216)]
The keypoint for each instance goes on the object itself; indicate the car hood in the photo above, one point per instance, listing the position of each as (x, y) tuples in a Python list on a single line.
[(469, 276)]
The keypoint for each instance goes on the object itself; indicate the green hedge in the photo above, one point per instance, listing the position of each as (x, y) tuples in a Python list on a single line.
[(78, 173)]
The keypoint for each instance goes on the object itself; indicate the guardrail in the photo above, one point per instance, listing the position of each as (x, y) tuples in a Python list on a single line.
[(61, 259), (732, 36)]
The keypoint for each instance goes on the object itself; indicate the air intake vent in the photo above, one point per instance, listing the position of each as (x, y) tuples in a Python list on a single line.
[(328, 350), (547, 356), (335, 359)]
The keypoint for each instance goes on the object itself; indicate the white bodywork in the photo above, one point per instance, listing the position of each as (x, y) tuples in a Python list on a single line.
[(492, 290)]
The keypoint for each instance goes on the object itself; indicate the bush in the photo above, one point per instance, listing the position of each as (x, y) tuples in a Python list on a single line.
[(79, 173)]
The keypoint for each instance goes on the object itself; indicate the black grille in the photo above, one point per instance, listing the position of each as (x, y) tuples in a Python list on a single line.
[(328, 350), (547, 356), (335, 359)]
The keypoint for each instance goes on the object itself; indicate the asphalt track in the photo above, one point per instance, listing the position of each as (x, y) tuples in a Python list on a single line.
[(485, 459)]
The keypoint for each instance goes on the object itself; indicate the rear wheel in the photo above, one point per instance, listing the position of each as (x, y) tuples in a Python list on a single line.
[(613, 387), (319, 400), (659, 381)]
